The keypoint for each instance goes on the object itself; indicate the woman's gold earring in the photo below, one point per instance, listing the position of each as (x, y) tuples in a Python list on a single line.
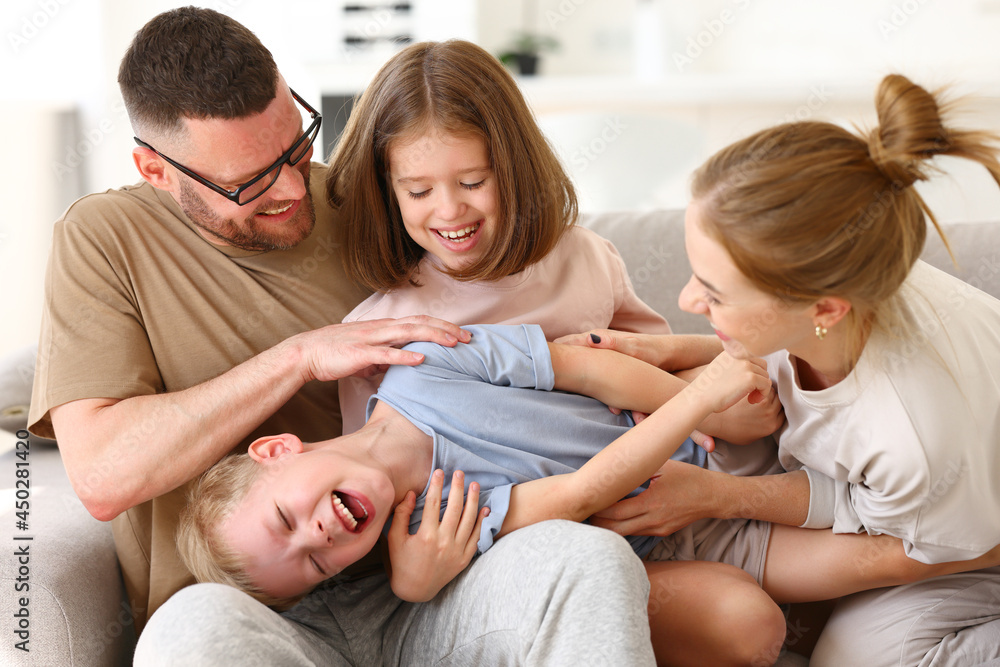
[(820, 332)]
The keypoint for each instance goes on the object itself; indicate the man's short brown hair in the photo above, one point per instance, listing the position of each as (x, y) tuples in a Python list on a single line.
[(194, 63)]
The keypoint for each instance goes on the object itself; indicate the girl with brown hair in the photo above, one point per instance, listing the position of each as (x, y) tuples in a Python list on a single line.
[(804, 242), (457, 207)]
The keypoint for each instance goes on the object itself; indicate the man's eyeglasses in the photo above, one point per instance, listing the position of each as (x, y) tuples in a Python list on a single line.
[(259, 184)]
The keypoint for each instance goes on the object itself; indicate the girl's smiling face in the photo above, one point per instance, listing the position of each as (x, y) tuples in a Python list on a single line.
[(447, 194), (749, 322)]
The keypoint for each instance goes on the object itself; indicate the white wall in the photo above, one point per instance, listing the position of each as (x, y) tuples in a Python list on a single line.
[(63, 54)]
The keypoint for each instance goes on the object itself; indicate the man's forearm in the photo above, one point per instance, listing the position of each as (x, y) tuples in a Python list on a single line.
[(119, 453)]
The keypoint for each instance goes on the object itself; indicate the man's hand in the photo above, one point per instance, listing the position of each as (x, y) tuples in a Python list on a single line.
[(422, 564), (184, 432), (678, 495), (369, 347)]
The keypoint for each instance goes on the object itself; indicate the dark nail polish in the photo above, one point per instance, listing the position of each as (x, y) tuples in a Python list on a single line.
[(595, 338)]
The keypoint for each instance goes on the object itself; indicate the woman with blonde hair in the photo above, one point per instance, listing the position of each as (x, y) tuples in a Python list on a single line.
[(804, 243)]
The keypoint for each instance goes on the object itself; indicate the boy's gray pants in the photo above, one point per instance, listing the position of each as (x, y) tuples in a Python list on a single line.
[(555, 593)]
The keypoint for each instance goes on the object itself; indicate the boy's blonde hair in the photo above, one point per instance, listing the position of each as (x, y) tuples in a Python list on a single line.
[(211, 500)]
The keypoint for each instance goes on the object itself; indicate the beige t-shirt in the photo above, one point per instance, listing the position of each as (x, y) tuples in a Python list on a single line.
[(137, 302)]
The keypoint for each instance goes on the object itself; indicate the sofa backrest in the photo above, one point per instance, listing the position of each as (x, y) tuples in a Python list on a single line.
[(652, 245)]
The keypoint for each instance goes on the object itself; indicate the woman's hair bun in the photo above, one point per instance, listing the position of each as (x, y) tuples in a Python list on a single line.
[(910, 130)]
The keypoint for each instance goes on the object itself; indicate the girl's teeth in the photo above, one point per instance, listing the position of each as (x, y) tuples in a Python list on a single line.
[(460, 233)]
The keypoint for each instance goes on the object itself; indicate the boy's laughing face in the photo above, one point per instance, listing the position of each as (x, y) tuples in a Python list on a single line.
[(307, 517)]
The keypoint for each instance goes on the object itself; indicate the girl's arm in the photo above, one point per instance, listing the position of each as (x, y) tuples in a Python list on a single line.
[(671, 352), (633, 458), (684, 356), (612, 378)]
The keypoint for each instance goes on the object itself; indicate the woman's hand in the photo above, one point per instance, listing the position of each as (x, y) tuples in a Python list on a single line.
[(678, 495), (422, 564)]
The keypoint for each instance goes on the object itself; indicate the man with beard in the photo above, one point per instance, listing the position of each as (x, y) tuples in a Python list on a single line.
[(190, 313)]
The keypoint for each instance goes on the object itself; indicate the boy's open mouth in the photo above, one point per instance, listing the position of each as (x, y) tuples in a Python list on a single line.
[(351, 511)]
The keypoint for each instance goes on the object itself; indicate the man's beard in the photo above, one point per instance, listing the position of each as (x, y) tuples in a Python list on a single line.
[(248, 235)]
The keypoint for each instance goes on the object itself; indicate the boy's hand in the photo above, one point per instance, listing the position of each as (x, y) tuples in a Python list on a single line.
[(728, 380), (422, 564), (744, 422)]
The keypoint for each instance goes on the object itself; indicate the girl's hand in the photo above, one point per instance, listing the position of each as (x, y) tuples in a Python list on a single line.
[(653, 349), (422, 564)]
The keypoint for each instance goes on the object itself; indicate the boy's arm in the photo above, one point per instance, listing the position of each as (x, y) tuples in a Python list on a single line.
[(612, 378), (842, 564), (633, 458), (685, 357)]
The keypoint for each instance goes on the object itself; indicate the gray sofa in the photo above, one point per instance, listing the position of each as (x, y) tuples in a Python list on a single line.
[(77, 610)]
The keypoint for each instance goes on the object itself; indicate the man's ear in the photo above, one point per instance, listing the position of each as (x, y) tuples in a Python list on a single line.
[(274, 447), (153, 168), (829, 310)]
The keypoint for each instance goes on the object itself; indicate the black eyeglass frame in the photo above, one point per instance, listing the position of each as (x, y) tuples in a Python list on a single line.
[(234, 195)]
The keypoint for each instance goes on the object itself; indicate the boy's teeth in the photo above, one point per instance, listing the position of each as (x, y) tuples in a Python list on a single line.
[(346, 513)]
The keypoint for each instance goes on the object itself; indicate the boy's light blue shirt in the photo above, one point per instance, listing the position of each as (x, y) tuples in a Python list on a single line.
[(490, 408)]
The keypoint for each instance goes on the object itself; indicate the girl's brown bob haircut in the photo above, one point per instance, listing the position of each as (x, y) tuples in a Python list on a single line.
[(457, 88)]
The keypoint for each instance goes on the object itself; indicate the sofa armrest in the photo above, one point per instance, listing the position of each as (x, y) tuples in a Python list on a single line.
[(64, 592)]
